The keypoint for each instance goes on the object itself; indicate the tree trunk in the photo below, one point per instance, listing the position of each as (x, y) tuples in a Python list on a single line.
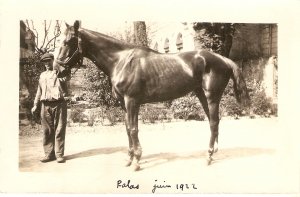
[(140, 34), (226, 37)]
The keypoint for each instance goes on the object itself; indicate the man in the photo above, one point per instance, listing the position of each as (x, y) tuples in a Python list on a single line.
[(50, 94)]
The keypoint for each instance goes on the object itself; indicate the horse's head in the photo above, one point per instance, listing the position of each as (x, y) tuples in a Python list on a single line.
[(70, 52)]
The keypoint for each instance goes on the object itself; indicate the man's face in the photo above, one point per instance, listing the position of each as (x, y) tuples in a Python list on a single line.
[(48, 64)]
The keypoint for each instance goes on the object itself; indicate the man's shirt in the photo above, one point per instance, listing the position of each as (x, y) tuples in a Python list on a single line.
[(50, 88)]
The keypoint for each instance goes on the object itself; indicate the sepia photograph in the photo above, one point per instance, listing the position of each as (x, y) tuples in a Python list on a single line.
[(108, 104)]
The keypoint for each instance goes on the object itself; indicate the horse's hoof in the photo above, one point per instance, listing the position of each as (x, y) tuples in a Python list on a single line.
[(128, 163), (137, 167), (209, 160)]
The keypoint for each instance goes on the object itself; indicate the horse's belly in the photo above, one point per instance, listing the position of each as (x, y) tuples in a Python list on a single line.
[(166, 88)]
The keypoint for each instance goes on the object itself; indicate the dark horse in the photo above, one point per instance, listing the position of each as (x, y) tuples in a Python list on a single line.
[(141, 75)]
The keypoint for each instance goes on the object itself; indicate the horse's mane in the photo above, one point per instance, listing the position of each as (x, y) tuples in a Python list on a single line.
[(116, 41)]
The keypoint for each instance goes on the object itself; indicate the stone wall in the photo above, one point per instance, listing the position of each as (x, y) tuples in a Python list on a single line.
[(269, 40), (254, 40), (246, 42)]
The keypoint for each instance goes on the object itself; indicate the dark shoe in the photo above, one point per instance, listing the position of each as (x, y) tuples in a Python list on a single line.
[(47, 159), (60, 159)]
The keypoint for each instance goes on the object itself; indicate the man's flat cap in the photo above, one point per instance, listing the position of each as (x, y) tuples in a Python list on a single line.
[(47, 57)]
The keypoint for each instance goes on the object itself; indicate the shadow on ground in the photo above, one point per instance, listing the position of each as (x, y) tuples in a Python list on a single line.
[(29, 162), (96, 151), (152, 160)]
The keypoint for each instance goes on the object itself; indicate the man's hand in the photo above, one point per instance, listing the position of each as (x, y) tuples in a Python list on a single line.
[(33, 109)]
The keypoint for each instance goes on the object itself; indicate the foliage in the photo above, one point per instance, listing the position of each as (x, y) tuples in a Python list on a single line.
[(154, 112), (261, 105), (77, 115), (211, 42), (136, 35), (114, 115), (215, 36), (97, 85), (91, 118), (29, 74), (127, 36), (228, 103), (149, 114), (187, 107)]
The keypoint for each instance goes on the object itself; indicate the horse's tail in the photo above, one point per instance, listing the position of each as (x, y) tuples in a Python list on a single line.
[(239, 85)]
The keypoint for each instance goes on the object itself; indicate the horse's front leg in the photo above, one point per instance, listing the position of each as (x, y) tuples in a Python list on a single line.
[(130, 149), (132, 110)]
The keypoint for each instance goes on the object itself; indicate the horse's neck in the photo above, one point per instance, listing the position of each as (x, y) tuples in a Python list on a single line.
[(102, 50)]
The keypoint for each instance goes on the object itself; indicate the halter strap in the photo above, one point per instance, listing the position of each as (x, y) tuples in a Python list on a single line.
[(78, 52)]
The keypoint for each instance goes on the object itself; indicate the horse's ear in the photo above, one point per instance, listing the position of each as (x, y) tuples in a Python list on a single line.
[(67, 25), (76, 25)]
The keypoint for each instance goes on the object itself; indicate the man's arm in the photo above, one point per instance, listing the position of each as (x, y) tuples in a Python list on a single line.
[(37, 98), (38, 95)]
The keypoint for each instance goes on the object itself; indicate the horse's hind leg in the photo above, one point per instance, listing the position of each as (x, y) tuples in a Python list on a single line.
[(210, 104), (132, 109), (201, 96), (214, 128)]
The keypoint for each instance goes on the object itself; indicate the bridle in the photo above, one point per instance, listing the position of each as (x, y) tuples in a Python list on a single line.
[(76, 57)]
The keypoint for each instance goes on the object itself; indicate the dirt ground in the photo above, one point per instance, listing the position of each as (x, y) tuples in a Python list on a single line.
[(252, 158)]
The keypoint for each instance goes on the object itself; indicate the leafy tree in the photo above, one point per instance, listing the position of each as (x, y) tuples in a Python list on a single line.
[(215, 36)]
